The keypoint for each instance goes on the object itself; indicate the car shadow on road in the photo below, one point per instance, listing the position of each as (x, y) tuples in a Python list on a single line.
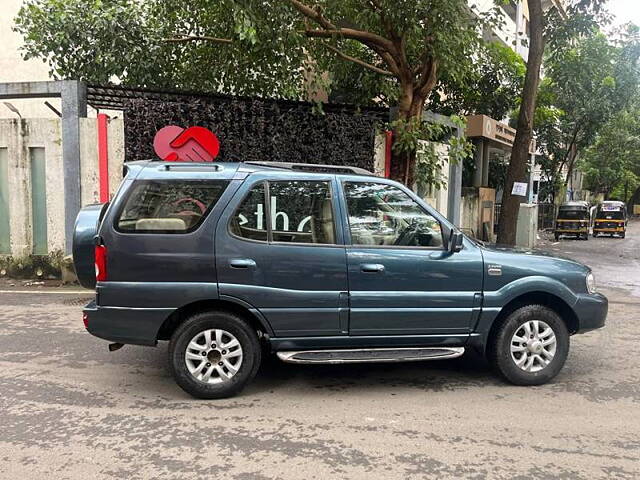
[(471, 370)]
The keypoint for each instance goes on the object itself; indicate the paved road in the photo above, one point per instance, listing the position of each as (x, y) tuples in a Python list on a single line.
[(71, 409)]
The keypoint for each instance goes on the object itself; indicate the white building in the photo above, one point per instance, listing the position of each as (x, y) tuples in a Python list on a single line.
[(14, 69), (514, 29)]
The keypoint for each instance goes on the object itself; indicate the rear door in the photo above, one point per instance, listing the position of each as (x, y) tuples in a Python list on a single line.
[(285, 256), (402, 278)]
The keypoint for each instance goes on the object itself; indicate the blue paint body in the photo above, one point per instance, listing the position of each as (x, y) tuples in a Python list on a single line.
[(308, 295)]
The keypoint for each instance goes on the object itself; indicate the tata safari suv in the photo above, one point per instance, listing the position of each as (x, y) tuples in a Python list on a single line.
[(230, 262)]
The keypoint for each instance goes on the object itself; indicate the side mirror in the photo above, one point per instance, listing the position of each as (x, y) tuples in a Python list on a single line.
[(455, 241)]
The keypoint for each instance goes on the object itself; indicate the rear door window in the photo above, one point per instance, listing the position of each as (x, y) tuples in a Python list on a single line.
[(168, 206), (300, 211)]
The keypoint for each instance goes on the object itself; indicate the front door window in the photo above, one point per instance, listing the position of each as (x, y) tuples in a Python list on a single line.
[(384, 215)]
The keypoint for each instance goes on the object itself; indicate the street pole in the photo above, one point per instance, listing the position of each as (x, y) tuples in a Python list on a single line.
[(532, 164)]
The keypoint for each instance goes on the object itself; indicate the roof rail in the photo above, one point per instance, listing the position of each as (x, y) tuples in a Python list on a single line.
[(190, 167), (313, 167)]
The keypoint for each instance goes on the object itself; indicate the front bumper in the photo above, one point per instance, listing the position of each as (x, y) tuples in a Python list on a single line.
[(591, 310), (609, 230), (137, 326)]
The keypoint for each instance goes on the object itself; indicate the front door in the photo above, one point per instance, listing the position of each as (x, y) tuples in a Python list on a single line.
[(402, 278), (286, 257)]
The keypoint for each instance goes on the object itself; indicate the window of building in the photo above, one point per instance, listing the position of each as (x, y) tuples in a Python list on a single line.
[(168, 206), (384, 215)]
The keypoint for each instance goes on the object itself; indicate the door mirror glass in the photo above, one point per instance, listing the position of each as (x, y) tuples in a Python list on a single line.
[(384, 215)]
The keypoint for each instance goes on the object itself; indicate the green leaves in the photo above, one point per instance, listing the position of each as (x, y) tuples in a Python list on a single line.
[(419, 136), (612, 163), (589, 81), (491, 85)]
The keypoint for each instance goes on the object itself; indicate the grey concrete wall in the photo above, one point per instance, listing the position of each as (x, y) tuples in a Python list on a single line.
[(379, 155), (527, 226), (20, 135), (469, 211)]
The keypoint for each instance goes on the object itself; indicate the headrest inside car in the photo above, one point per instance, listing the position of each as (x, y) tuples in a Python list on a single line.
[(161, 224)]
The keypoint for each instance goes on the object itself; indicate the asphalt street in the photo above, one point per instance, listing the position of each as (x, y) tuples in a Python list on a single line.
[(71, 409)]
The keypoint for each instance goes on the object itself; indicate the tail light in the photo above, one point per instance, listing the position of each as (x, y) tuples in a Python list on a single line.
[(101, 263), (85, 319)]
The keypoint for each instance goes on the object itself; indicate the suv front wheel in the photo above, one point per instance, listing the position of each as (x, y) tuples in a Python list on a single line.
[(214, 355), (531, 346)]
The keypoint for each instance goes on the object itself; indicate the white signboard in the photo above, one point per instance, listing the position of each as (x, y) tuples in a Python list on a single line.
[(520, 189), (610, 208)]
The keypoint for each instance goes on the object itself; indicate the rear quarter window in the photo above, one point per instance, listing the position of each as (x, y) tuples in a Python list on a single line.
[(168, 206)]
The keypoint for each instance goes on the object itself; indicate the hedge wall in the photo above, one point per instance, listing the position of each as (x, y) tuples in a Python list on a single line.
[(260, 130)]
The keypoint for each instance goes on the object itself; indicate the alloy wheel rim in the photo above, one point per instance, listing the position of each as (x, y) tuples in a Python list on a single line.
[(533, 346), (213, 356)]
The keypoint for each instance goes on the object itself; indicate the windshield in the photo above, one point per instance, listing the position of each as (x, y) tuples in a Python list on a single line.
[(610, 214), (572, 214)]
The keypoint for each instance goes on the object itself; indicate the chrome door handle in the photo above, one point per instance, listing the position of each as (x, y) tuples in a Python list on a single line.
[(372, 268), (242, 263)]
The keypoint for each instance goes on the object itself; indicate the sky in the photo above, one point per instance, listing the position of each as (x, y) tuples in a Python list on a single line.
[(625, 11)]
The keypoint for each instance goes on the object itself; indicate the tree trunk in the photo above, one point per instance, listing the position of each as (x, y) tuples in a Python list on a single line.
[(520, 152), (635, 199), (572, 160), (403, 163)]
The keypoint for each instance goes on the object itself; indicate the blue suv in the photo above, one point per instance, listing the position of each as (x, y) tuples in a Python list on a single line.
[(318, 264)]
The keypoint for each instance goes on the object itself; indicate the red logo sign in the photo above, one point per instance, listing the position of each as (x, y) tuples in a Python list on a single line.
[(194, 144)]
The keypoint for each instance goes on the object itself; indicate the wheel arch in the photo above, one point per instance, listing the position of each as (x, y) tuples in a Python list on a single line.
[(554, 302), (251, 315)]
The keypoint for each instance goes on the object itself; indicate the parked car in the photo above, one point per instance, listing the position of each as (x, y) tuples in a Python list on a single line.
[(229, 262), (611, 219), (573, 220)]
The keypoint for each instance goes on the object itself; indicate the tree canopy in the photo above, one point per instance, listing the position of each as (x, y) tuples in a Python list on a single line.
[(491, 86), (283, 48), (586, 84), (210, 46), (612, 164)]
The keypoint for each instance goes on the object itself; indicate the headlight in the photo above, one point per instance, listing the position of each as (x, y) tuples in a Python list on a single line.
[(591, 283)]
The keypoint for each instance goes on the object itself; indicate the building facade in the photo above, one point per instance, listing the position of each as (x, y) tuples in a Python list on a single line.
[(13, 68)]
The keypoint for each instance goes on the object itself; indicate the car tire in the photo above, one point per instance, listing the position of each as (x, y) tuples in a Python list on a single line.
[(557, 237), (232, 364), (622, 235), (545, 365)]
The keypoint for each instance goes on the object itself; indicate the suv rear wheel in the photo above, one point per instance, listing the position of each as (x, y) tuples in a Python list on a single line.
[(531, 346), (214, 355)]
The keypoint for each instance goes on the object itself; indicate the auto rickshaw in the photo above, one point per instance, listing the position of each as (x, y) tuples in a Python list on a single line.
[(573, 219), (611, 219)]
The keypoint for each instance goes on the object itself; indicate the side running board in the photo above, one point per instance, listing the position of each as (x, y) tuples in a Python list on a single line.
[(371, 355)]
